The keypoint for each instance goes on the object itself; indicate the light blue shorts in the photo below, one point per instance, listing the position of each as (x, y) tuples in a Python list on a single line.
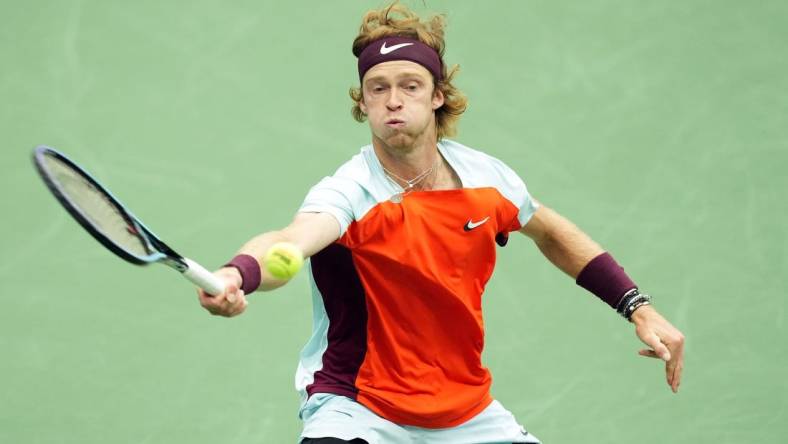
[(328, 415)]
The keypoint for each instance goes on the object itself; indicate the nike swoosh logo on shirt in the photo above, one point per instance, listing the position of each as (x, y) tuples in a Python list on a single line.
[(470, 225), (384, 50)]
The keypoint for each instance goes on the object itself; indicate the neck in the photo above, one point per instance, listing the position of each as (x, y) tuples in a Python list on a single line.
[(408, 161)]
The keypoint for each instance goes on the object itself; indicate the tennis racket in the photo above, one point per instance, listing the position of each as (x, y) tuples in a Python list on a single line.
[(111, 223)]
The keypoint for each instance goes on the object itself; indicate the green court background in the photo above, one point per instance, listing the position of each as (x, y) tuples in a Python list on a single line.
[(660, 128)]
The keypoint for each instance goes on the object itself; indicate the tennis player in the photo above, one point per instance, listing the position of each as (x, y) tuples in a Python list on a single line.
[(402, 240)]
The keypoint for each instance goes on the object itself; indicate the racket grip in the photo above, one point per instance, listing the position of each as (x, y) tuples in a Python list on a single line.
[(203, 278)]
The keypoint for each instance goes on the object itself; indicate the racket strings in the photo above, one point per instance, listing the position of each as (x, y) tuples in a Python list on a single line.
[(97, 207)]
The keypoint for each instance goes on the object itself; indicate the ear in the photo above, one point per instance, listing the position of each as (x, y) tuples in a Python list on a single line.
[(437, 99), (362, 105)]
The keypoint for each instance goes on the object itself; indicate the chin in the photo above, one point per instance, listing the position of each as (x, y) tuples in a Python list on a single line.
[(395, 138), (400, 140)]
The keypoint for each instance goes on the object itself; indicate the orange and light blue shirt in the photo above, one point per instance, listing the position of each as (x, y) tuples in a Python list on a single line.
[(397, 310)]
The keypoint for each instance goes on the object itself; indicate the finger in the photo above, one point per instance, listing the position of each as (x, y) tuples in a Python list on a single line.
[(674, 366), (671, 373), (232, 292), (649, 354), (239, 305), (240, 308), (207, 301), (215, 305), (653, 341), (203, 297), (676, 379), (677, 367)]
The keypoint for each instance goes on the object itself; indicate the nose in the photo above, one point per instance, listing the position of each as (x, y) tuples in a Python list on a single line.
[(393, 101)]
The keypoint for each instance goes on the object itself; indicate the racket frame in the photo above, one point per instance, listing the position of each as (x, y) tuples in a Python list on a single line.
[(159, 251)]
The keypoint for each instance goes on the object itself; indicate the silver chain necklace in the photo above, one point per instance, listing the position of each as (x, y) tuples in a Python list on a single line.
[(410, 184)]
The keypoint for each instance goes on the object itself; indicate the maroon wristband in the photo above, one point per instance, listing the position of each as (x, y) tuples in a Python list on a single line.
[(606, 279), (249, 269)]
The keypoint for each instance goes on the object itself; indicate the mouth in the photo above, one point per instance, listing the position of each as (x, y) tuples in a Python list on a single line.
[(395, 123)]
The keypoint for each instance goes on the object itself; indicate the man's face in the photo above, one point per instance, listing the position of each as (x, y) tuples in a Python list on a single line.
[(399, 102)]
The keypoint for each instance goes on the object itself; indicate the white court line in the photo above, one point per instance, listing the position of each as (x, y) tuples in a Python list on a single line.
[(550, 402)]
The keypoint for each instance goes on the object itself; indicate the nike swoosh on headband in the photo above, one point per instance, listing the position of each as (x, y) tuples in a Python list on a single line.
[(470, 225), (384, 50)]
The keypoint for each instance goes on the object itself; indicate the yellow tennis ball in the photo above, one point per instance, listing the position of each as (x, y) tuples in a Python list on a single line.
[(283, 260)]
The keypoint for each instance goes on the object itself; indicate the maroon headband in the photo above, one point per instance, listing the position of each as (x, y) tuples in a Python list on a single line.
[(399, 48)]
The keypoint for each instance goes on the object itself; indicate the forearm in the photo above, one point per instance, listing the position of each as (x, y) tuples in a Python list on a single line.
[(309, 232), (257, 248), (577, 255), (562, 242)]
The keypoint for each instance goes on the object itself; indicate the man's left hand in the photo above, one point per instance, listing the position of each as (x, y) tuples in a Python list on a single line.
[(665, 340)]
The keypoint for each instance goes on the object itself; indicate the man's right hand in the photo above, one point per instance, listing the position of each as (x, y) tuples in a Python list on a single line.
[(232, 301)]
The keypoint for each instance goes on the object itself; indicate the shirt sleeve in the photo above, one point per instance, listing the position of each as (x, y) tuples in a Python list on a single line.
[(331, 195), (514, 189)]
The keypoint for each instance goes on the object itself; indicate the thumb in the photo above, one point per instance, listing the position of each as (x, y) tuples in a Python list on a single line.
[(231, 291), (650, 338), (659, 348)]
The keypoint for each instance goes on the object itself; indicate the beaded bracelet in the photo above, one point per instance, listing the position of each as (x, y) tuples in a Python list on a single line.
[(631, 301)]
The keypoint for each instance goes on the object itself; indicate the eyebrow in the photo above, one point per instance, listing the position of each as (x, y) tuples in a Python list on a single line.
[(404, 75)]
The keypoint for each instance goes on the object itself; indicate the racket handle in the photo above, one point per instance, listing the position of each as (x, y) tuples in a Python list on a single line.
[(203, 278)]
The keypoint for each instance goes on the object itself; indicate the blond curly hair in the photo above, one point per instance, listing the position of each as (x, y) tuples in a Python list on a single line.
[(397, 20)]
